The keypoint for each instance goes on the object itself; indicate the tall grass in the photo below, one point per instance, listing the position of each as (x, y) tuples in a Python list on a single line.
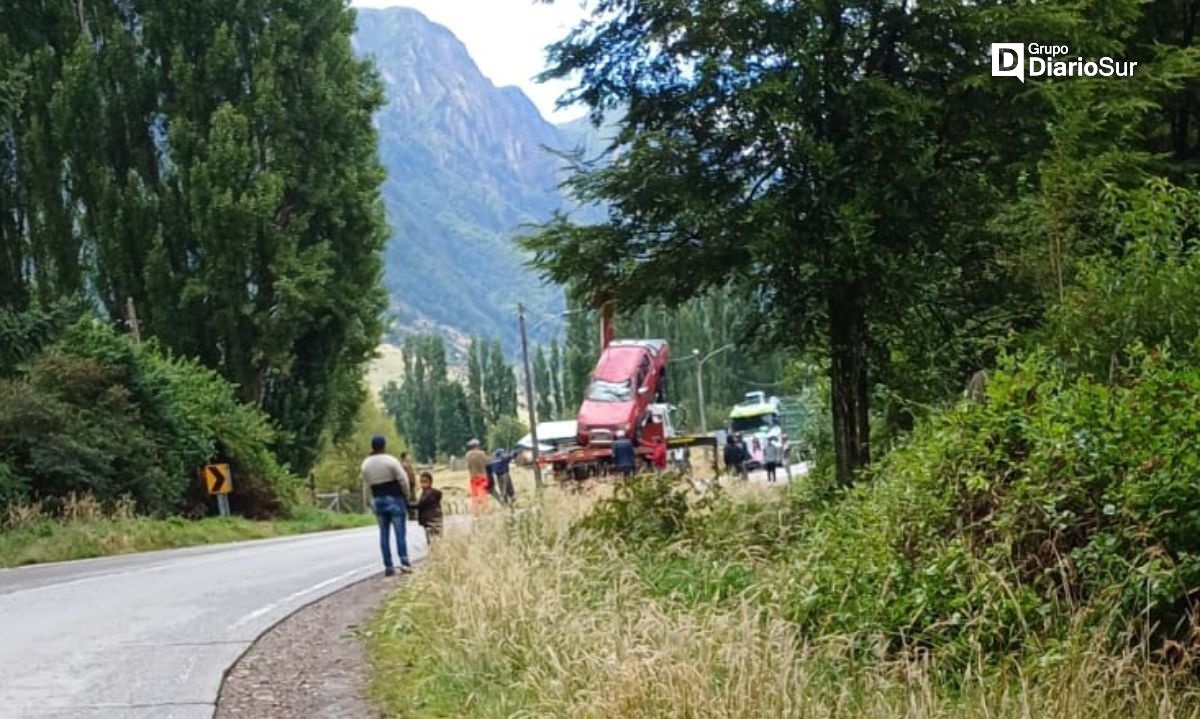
[(520, 617)]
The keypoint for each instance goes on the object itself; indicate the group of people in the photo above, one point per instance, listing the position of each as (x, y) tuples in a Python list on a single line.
[(394, 501), (737, 457), (490, 476)]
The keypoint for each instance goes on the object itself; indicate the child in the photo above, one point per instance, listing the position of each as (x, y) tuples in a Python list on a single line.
[(429, 507)]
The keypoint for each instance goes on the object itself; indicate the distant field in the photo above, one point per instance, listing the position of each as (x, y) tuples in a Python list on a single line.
[(387, 367)]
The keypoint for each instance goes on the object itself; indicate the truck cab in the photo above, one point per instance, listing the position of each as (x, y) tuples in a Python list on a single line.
[(757, 419)]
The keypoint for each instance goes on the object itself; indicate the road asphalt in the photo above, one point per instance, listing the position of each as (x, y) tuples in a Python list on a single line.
[(144, 636)]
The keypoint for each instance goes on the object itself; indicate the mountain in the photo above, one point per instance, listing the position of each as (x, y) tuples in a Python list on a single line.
[(467, 169)]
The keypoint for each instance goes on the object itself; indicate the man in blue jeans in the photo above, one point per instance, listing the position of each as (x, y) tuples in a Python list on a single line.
[(391, 490)]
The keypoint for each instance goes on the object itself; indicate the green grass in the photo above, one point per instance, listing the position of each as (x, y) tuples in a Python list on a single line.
[(40, 539), (524, 616)]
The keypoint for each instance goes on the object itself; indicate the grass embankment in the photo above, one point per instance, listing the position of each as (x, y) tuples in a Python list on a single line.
[(542, 614), (34, 539)]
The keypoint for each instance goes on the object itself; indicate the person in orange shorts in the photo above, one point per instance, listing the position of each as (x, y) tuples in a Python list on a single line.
[(477, 461)]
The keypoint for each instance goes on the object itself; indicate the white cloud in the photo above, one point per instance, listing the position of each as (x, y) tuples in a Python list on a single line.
[(506, 38)]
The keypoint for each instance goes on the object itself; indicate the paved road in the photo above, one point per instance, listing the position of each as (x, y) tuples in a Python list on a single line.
[(150, 635)]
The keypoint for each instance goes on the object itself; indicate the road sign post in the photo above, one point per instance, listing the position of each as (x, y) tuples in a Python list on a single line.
[(219, 481)]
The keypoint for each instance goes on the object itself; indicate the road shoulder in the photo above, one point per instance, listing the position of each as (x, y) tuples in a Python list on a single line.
[(311, 665)]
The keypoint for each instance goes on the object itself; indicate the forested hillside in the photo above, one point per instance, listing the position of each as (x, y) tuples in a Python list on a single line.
[(469, 164)]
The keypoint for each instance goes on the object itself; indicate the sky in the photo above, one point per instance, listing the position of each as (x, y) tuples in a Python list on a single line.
[(506, 38)]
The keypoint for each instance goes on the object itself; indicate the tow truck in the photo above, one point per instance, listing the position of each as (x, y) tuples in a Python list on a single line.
[(626, 394)]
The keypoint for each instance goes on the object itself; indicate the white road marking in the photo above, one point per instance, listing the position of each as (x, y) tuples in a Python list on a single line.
[(266, 608)]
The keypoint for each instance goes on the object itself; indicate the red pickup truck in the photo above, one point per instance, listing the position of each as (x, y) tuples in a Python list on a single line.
[(627, 379)]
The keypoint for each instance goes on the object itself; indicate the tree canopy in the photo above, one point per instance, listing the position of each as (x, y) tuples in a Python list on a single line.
[(842, 163), (214, 165)]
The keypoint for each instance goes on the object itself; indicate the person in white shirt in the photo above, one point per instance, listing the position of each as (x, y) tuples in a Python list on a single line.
[(390, 488)]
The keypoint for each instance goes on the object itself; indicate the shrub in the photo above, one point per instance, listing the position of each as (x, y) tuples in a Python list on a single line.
[(207, 410), (998, 520), (93, 414), (506, 432), (73, 427), (1057, 505), (23, 335), (642, 512)]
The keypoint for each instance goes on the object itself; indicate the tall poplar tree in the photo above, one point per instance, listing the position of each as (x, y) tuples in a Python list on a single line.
[(213, 163), (542, 389)]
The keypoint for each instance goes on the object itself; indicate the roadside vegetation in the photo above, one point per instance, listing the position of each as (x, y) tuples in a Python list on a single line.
[(182, 279), (751, 603), (1029, 548), (84, 528), (101, 440), (87, 411)]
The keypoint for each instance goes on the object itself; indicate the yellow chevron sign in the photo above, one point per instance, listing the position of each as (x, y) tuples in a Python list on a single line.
[(217, 479)]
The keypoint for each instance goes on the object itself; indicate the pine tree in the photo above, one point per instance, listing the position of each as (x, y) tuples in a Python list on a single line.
[(542, 388), (215, 164), (454, 428), (556, 381)]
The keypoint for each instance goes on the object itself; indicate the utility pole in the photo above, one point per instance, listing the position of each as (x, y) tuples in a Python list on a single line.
[(700, 390), (537, 467), (700, 379)]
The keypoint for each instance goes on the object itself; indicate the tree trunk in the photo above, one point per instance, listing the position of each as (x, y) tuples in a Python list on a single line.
[(848, 380)]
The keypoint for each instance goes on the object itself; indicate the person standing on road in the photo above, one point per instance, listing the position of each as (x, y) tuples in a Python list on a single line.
[(772, 456), (429, 507), (624, 455), (477, 461), (390, 489)]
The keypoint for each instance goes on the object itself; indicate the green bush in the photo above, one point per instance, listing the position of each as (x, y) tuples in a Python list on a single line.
[(999, 527), (506, 432), (72, 426), (337, 465), (999, 520), (207, 409), (23, 335), (92, 414), (643, 512)]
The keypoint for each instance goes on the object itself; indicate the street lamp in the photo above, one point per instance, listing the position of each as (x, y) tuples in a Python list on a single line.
[(700, 380)]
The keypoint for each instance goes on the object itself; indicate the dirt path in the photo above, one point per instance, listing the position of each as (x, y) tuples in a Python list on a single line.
[(312, 665)]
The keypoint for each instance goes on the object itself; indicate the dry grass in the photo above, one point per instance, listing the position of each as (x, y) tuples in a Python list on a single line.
[(516, 619)]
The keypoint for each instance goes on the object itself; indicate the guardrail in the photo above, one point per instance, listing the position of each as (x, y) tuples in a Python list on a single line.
[(348, 502)]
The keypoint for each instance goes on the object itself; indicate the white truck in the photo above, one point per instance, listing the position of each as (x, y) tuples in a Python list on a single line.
[(757, 419)]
